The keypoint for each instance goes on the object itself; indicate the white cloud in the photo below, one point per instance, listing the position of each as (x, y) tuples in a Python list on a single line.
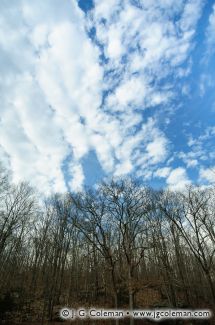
[(150, 45), (206, 81), (114, 48), (177, 179), (191, 14), (163, 172), (77, 174), (192, 163), (211, 30), (41, 117), (207, 174), (53, 79), (157, 150), (131, 91), (202, 149)]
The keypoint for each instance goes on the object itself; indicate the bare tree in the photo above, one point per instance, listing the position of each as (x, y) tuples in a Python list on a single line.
[(189, 213)]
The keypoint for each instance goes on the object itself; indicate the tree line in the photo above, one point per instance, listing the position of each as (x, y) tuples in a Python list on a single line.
[(105, 246)]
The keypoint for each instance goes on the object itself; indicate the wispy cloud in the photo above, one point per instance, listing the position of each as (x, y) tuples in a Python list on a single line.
[(210, 32)]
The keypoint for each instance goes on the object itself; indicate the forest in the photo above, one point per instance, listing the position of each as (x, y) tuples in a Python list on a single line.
[(119, 245)]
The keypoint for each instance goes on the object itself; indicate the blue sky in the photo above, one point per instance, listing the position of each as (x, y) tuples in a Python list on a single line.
[(98, 89)]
